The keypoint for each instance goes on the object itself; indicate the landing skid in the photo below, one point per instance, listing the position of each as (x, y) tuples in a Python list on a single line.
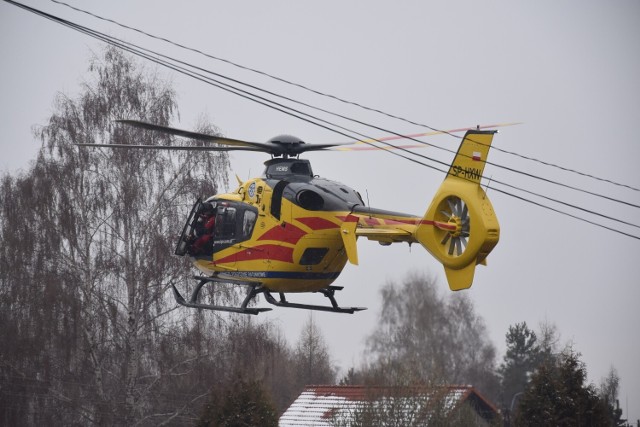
[(327, 292), (255, 290)]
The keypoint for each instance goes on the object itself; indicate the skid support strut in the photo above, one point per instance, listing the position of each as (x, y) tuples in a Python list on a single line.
[(243, 309)]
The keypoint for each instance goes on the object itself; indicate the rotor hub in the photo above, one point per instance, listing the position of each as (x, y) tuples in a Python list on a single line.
[(286, 140), (457, 221), (456, 214)]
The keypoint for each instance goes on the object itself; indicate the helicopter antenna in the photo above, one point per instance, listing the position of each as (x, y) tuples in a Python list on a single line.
[(368, 204), (486, 188)]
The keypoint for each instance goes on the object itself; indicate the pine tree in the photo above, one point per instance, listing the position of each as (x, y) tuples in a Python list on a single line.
[(519, 362), (608, 392), (558, 395)]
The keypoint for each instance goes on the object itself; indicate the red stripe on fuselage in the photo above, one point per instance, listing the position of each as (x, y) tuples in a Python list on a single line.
[(287, 233), (272, 252), (439, 224), (371, 221), (401, 221), (379, 221), (317, 223), (348, 218)]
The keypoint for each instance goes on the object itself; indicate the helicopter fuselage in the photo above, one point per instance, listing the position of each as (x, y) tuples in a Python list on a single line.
[(283, 230), (291, 231)]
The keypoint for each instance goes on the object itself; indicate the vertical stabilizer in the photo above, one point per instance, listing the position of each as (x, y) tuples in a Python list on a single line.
[(468, 165)]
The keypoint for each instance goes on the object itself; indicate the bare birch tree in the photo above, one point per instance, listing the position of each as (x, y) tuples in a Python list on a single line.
[(89, 235), (424, 337)]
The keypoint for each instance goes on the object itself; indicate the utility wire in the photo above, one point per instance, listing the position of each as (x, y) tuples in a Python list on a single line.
[(298, 114), (253, 97), (554, 182), (306, 88), (310, 119)]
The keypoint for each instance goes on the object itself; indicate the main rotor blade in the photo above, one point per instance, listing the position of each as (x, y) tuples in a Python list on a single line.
[(364, 144), (171, 147), (196, 135), (319, 147)]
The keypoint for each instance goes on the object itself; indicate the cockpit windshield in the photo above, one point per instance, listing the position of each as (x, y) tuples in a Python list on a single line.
[(214, 225)]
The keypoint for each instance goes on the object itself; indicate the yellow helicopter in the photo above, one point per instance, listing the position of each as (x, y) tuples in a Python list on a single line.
[(290, 231)]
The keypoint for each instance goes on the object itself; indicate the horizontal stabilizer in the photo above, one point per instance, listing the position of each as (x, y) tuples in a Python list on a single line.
[(384, 234)]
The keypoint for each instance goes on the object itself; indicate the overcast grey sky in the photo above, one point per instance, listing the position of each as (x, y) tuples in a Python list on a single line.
[(567, 70)]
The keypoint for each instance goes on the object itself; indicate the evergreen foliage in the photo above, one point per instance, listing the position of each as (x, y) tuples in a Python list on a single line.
[(519, 362), (241, 404), (559, 395)]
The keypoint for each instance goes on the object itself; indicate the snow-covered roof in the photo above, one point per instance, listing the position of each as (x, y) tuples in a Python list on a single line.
[(320, 406)]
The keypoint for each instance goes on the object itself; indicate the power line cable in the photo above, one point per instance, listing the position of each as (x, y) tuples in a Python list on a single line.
[(554, 182), (128, 47), (566, 213), (306, 88), (281, 107), (133, 50)]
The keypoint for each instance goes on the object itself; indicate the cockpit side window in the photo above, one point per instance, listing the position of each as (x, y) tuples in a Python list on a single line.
[(248, 221), (225, 222)]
